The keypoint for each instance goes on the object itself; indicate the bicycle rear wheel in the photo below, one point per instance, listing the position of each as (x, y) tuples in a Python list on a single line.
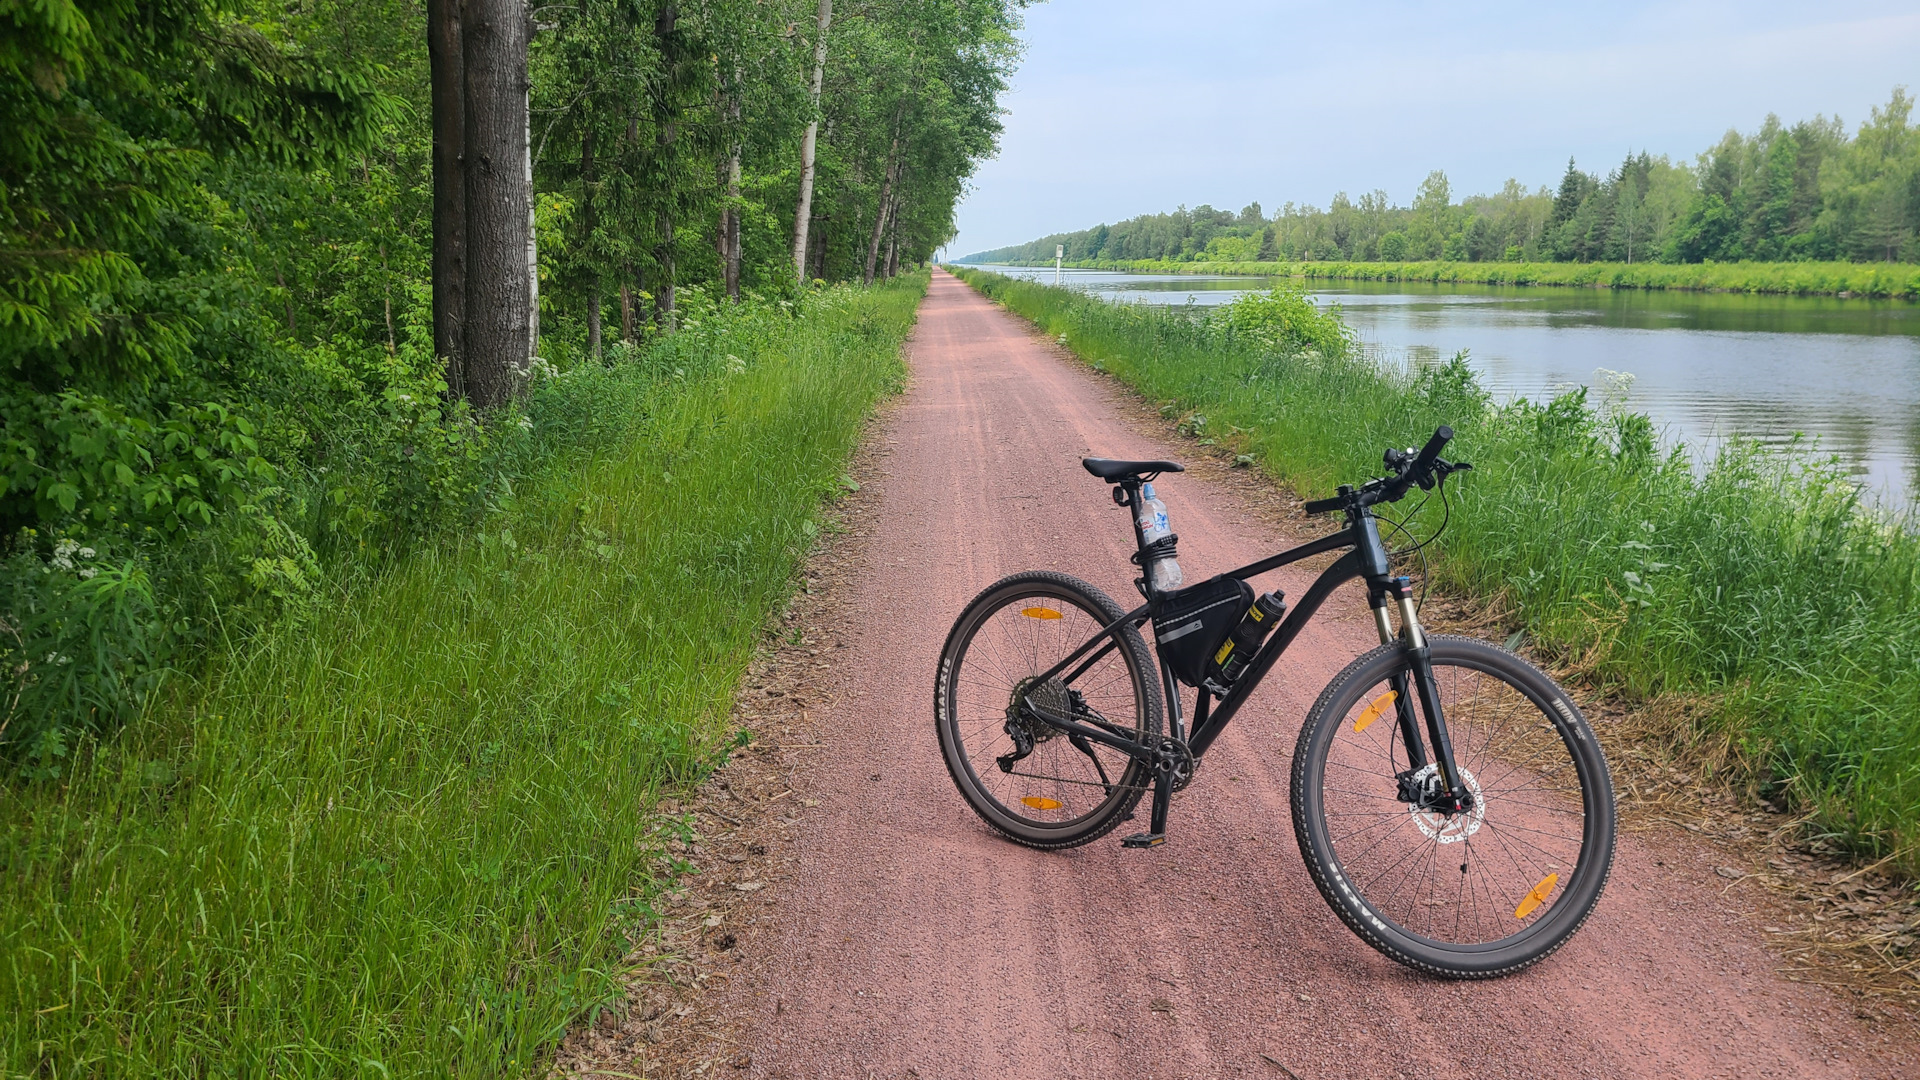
[(1473, 894), (1064, 790)]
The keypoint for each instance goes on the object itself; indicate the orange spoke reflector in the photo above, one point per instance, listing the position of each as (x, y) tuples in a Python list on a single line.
[(1039, 613), (1374, 710), (1537, 897), (1040, 802)]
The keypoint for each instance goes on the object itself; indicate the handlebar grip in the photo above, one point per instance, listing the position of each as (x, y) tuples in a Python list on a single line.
[(1420, 467), (1321, 506), (1431, 452)]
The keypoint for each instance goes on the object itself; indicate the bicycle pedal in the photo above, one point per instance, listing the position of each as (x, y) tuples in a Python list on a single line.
[(1144, 840)]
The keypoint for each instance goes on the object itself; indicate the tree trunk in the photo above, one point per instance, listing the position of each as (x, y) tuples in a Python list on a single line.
[(494, 55), (893, 239), (589, 222), (663, 262), (533, 244), (448, 109), (730, 229), (626, 307), (666, 134), (819, 242), (593, 315), (880, 214), (803, 212)]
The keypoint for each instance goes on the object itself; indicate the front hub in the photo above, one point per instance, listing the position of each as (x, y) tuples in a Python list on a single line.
[(1435, 811)]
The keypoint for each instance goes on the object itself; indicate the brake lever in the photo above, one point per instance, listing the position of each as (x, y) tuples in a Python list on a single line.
[(1442, 470)]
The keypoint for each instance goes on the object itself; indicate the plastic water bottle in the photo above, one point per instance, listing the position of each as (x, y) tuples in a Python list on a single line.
[(1164, 573)]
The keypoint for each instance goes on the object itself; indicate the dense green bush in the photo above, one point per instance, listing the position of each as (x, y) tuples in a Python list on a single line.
[(1755, 587), (410, 835)]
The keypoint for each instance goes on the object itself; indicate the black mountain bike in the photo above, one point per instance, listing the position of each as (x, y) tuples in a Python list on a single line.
[(1449, 798)]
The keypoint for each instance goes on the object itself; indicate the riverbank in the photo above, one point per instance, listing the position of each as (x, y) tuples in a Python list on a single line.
[(1754, 599), (411, 834), (1842, 279)]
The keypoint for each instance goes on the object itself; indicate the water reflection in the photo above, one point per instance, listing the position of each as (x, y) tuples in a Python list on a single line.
[(1704, 366)]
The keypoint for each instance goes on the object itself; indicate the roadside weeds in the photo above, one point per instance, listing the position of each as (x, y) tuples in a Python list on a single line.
[(740, 827), (1851, 927)]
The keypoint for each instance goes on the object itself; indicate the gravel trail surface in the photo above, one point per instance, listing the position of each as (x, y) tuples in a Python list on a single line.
[(907, 940)]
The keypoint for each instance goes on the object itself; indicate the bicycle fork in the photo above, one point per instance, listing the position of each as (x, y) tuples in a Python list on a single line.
[(1448, 795)]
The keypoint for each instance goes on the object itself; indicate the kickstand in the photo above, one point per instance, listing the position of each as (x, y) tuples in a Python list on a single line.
[(1157, 828)]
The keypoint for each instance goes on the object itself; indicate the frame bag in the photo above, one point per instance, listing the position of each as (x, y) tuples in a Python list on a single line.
[(1192, 622)]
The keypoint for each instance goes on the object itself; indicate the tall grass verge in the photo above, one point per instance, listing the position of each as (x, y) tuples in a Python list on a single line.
[(409, 836), (1754, 588), (1881, 280)]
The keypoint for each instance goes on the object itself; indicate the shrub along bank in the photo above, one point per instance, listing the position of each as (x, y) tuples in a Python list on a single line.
[(1895, 280), (405, 833), (1779, 613)]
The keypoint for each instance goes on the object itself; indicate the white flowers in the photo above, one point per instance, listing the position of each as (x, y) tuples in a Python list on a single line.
[(63, 555), (526, 423), (542, 368)]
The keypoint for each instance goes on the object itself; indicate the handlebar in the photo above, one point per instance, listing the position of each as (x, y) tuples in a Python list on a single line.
[(1407, 469), (1419, 472)]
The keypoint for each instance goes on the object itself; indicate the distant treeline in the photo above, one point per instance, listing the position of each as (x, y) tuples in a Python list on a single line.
[(1805, 192), (1829, 278)]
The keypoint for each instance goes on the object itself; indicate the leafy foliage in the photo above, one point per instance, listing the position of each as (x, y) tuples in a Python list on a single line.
[(411, 838), (216, 346)]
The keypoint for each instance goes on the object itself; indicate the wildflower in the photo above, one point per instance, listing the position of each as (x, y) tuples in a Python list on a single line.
[(526, 423)]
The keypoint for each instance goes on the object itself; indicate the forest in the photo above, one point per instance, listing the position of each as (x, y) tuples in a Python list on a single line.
[(275, 275), (412, 417), (1809, 191)]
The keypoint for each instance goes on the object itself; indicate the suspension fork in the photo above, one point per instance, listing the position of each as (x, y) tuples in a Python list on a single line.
[(1402, 692), (1419, 671)]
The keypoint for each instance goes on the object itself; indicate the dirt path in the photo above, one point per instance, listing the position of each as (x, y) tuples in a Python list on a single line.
[(907, 941)]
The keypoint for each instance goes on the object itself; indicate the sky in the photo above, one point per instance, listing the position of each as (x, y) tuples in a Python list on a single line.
[(1124, 107)]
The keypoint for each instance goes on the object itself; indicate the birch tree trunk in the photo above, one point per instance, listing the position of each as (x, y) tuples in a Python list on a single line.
[(730, 256), (494, 56), (886, 199), (803, 212)]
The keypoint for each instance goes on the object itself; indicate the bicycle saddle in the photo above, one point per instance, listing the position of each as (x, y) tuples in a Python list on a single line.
[(1112, 469)]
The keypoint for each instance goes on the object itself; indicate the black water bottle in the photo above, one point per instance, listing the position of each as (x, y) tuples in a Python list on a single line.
[(1245, 640)]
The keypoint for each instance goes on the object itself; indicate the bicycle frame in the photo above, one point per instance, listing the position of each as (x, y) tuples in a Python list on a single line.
[(1366, 560)]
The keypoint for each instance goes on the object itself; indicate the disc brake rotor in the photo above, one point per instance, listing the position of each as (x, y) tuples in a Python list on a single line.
[(1441, 827)]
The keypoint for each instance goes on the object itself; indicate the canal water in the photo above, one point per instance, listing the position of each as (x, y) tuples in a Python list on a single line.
[(1704, 366)]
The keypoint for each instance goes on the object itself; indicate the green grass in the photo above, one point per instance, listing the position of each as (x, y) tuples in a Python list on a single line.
[(1896, 280), (1753, 592), (408, 836)]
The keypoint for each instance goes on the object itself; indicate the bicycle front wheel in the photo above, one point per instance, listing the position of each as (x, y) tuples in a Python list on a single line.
[(1033, 783), (1471, 894)]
